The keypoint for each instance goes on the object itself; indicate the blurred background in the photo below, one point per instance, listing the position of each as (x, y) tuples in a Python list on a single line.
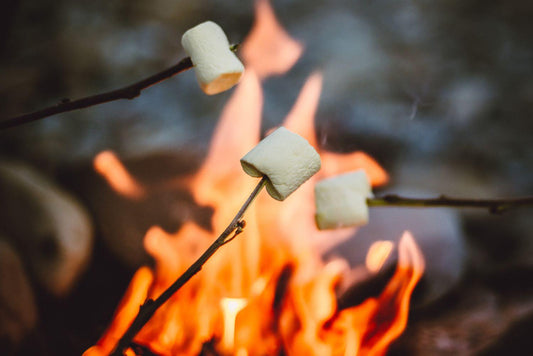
[(439, 93)]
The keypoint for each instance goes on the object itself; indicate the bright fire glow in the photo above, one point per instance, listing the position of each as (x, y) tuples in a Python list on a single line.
[(268, 49), (109, 166), (377, 254), (269, 290), (230, 308)]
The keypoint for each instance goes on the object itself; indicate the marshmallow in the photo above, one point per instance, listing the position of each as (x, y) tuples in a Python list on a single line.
[(285, 158), (341, 200), (216, 66)]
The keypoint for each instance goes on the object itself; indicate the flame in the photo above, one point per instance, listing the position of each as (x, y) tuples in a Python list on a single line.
[(392, 306), (377, 254), (337, 163), (230, 308), (269, 291), (135, 295), (109, 166), (268, 49)]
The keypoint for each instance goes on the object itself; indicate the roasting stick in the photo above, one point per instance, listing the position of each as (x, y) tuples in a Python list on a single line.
[(343, 201), (128, 92), (150, 306), (216, 65), (495, 206)]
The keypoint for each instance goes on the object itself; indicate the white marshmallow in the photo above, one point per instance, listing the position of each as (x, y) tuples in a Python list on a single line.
[(217, 67), (285, 158), (341, 200)]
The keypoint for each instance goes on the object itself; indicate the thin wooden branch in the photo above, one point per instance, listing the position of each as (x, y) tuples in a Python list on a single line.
[(495, 206), (128, 92), (147, 310)]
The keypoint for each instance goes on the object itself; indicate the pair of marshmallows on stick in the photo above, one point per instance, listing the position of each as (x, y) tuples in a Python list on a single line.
[(288, 160)]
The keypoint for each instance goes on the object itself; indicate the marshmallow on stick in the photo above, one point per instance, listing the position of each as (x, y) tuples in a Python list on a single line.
[(285, 158), (341, 200), (217, 67)]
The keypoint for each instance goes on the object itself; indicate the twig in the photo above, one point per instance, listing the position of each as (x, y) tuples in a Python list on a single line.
[(128, 92), (495, 206), (147, 310)]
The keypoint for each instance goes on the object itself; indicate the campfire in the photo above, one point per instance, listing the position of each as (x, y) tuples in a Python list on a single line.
[(269, 291), (110, 169)]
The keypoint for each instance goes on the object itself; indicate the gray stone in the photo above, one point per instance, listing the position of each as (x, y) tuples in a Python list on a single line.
[(50, 228)]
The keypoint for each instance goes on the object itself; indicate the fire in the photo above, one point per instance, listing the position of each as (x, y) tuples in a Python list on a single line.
[(269, 50), (269, 290), (378, 253), (109, 166), (230, 308)]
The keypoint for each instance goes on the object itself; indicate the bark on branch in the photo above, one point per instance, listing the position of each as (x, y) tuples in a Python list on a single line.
[(128, 92), (495, 206)]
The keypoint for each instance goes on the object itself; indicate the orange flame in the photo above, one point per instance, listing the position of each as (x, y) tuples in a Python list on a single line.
[(230, 308), (377, 254), (268, 49), (285, 291), (392, 306), (109, 166)]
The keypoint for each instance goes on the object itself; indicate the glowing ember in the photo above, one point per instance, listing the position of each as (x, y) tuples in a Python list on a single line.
[(269, 290)]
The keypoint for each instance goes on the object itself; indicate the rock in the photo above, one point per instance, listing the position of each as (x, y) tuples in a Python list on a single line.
[(476, 322), (52, 231), (18, 312)]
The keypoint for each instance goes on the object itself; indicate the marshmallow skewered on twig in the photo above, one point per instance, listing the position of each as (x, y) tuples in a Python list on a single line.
[(217, 67), (307, 164), (128, 92), (285, 158), (343, 201)]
